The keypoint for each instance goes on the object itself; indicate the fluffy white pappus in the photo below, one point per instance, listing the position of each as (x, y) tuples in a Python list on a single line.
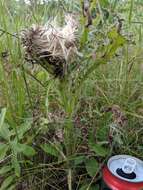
[(51, 38), (62, 39), (69, 30)]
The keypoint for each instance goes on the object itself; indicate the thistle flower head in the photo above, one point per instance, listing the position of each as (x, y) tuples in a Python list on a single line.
[(50, 45)]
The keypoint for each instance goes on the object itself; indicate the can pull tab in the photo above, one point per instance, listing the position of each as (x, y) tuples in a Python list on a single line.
[(129, 166), (128, 169)]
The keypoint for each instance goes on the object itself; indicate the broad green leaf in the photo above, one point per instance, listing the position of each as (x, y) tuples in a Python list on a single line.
[(3, 150), (23, 148), (7, 182), (16, 165), (5, 133), (50, 149), (99, 149), (27, 150), (23, 129), (5, 169), (92, 166), (102, 133)]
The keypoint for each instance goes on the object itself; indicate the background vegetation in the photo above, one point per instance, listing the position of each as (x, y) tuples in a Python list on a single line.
[(57, 135)]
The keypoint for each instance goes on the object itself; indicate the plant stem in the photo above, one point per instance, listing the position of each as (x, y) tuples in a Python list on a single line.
[(68, 106), (69, 179)]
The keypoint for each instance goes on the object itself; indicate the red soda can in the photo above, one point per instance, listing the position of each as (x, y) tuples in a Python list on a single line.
[(123, 172)]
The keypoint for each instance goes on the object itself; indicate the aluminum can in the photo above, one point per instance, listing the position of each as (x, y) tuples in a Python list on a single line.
[(123, 172)]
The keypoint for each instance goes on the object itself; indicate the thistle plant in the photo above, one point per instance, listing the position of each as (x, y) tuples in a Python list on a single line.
[(55, 49)]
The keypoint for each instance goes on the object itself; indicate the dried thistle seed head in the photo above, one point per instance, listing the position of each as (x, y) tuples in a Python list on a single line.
[(51, 46)]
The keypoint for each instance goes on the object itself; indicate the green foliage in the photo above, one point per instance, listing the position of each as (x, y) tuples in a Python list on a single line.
[(99, 150), (15, 164), (2, 117), (7, 182), (5, 169), (12, 145), (3, 150), (56, 134), (50, 149), (23, 148), (117, 40), (92, 166)]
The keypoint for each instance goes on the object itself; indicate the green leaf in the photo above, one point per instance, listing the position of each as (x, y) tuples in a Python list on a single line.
[(3, 150), (84, 36), (41, 75), (117, 40), (5, 169), (5, 133), (104, 3), (2, 117), (50, 149), (113, 34), (7, 182), (16, 165), (99, 150), (102, 133), (25, 149), (28, 150), (23, 129), (92, 167), (12, 187), (84, 187)]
